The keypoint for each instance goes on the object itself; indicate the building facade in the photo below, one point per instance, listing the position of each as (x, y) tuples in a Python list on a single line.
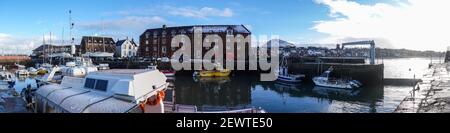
[(156, 43), (49, 49), (92, 44), (126, 48)]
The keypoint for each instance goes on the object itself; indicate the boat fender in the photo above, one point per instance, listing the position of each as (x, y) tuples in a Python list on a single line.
[(159, 97)]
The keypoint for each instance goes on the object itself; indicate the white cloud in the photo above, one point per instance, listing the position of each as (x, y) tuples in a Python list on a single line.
[(412, 24), (203, 12), (13, 45)]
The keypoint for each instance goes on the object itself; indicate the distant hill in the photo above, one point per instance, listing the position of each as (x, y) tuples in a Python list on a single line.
[(282, 43)]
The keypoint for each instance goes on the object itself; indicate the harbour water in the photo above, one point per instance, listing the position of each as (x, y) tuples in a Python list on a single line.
[(246, 91), (273, 97)]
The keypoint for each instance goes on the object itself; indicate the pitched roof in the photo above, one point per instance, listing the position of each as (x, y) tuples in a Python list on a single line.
[(208, 28), (121, 42)]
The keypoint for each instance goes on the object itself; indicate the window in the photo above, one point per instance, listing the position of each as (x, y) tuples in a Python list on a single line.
[(155, 41), (101, 85), (146, 41), (155, 34), (163, 49), (146, 49), (147, 35), (155, 48), (164, 34), (173, 33), (89, 83)]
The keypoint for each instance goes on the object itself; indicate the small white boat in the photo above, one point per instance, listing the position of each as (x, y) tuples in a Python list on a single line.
[(167, 73), (21, 70), (103, 66), (326, 81), (80, 67), (32, 71)]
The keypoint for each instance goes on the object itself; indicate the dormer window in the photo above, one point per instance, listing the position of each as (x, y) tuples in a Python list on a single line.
[(229, 32), (147, 35)]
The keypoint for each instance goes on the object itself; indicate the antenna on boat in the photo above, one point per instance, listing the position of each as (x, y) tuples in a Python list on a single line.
[(43, 49), (103, 36), (71, 24), (50, 46)]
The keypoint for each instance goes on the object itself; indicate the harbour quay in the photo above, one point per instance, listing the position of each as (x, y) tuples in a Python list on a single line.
[(355, 68), (432, 95)]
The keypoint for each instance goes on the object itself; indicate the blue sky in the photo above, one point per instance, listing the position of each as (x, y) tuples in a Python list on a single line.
[(23, 22)]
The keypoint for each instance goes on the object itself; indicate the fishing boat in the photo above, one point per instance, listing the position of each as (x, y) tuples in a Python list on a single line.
[(325, 80), (284, 76)]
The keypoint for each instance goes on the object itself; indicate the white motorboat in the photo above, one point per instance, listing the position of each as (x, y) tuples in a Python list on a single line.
[(326, 81), (108, 91), (32, 71), (103, 66), (79, 67), (21, 70), (167, 73)]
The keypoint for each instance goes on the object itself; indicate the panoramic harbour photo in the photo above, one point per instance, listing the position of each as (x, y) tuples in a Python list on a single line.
[(310, 56)]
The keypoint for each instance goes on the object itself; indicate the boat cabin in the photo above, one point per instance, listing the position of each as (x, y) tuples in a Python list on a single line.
[(108, 91)]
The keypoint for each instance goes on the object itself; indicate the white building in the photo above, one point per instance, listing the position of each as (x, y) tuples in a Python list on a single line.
[(126, 48)]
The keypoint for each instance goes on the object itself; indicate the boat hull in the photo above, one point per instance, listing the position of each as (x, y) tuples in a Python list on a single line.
[(288, 79), (223, 73), (323, 83)]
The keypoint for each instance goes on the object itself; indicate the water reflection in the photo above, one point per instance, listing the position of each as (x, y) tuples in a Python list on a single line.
[(216, 92), (245, 91), (23, 81)]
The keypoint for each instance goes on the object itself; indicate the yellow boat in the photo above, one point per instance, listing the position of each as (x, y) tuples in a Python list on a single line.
[(42, 72), (215, 73)]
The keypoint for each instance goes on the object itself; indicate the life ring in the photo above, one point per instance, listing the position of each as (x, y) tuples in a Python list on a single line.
[(159, 97)]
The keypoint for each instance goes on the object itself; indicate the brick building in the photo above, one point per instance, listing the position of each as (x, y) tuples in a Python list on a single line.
[(91, 44), (155, 43)]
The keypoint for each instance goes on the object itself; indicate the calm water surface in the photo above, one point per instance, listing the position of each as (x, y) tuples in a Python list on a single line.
[(245, 91)]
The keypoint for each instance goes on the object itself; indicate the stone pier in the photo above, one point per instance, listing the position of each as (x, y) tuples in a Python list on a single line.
[(432, 95)]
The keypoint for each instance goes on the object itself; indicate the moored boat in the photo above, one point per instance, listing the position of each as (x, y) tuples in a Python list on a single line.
[(285, 76), (21, 71), (32, 71), (217, 72), (326, 81)]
